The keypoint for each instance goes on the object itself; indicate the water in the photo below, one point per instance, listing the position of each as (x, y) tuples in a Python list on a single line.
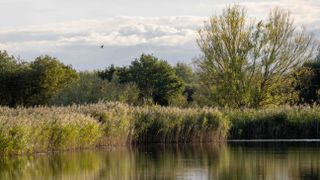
[(235, 160)]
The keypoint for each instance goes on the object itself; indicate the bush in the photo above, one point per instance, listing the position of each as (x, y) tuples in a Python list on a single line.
[(92, 89)]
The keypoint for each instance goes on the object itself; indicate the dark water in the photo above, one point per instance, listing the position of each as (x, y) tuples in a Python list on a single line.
[(234, 160)]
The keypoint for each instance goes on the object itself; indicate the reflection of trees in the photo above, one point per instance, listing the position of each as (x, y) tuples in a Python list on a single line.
[(219, 161)]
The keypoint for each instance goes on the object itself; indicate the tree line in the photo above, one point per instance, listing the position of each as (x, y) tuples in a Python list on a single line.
[(242, 64)]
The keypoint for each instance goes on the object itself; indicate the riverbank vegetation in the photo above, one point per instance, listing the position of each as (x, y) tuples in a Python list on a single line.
[(45, 129), (285, 122)]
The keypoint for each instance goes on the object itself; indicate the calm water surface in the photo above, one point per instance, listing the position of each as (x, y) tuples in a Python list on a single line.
[(234, 160)]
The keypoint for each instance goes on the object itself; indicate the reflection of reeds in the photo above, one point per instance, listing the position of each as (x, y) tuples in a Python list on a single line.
[(69, 165), (171, 161), (160, 161)]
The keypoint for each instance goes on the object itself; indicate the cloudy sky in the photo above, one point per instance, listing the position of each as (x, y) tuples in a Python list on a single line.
[(73, 30)]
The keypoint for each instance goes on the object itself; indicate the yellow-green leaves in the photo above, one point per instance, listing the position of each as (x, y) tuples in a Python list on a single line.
[(249, 64)]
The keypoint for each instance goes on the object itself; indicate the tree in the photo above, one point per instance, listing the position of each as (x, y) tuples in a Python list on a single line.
[(34, 83), (122, 73), (247, 64), (155, 79), (185, 72), (308, 78), (108, 73), (90, 88), (48, 77), (13, 80), (8, 66)]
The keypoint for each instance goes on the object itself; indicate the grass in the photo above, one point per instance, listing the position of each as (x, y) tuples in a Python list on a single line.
[(275, 123), (46, 129), (172, 125)]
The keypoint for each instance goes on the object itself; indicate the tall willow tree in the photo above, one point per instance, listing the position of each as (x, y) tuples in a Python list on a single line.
[(251, 64)]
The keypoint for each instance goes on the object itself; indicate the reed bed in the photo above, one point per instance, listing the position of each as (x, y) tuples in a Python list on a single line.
[(174, 125), (46, 129), (298, 122)]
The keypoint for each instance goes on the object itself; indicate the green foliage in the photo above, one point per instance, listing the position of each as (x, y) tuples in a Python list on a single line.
[(44, 129), (32, 83), (155, 78), (110, 72), (115, 120), (49, 76), (180, 100), (168, 125), (7, 63), (308, 78), (185, 72), (245, 64), (92, 89), (14, 77), (275, 123)]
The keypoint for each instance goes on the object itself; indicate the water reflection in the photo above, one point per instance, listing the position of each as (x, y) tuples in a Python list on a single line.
[(216, 161)]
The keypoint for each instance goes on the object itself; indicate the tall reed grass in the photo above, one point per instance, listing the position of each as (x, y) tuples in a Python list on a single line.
[(298, 122), (172, 125), (43, 129)]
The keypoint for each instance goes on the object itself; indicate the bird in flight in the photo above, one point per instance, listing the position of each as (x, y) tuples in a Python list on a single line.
[(102, 46)]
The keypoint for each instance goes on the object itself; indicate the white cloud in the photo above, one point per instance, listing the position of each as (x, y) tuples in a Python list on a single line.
[(304, 11), (80, 40), (118, 31)]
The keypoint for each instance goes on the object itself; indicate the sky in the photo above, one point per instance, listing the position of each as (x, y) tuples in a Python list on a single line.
[(73, 30)]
